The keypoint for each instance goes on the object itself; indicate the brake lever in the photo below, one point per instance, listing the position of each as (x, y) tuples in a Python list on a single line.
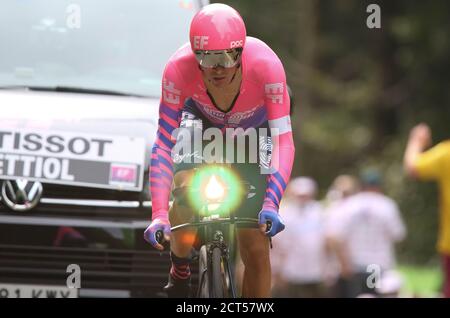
[(159, 236), (268, 228)]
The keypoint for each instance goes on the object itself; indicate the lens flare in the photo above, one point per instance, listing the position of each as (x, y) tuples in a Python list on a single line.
[(214, 190)]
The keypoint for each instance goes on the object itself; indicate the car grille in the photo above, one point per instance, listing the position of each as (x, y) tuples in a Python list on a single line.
[(142, 272), (75, 192), (73, 201)]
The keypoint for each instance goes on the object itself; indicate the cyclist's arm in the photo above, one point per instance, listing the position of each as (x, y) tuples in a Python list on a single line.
[(161, 173), (278, 110)]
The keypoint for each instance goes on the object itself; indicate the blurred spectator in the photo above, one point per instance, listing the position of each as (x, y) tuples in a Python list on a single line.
[(363, 236), (298, 255), (433, 164), (343, 187)]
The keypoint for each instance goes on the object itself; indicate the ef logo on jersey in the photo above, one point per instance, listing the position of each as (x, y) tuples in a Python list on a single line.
[(274, 91), (200, 41)]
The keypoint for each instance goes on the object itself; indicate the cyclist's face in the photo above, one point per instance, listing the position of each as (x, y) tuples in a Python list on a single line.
[(219, 76)]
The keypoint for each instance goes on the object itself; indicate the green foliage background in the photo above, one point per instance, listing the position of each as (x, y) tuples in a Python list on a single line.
[(358, 92)]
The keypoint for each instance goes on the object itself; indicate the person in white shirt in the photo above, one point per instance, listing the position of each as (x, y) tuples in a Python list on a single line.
[(342, 188), (299, 251), (365, 235)]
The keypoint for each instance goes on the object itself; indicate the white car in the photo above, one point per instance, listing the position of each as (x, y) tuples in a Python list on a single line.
[(79, 94)]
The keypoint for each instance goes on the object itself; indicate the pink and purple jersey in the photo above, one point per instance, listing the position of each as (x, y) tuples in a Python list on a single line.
[(263, 98)]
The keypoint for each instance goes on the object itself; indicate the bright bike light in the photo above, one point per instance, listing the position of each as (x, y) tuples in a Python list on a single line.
[(214, 190)]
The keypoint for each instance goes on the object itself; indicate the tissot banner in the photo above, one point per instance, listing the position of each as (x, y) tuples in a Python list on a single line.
[(103, 161)]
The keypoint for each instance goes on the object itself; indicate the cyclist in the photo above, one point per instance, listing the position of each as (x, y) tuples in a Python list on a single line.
[(222, 79)]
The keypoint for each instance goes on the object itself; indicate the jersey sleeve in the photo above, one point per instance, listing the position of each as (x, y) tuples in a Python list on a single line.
[(430, 164), (283, 151), (161, 166)]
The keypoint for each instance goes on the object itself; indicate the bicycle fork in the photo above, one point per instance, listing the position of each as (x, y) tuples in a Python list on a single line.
[(219, 242)]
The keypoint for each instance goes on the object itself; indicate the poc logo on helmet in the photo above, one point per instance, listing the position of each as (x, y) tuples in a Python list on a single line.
[(234, 44)]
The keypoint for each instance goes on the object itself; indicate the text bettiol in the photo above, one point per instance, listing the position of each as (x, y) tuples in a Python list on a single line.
[(38, 155), (74, 158)]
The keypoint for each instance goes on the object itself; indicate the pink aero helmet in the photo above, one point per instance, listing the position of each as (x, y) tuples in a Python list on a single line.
[(217, 27)]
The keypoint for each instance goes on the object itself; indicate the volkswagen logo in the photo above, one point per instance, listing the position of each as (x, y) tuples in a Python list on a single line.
[(21, 195)]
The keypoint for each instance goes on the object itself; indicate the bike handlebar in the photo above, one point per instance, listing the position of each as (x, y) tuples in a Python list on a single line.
[(159, 235), (180, 194)]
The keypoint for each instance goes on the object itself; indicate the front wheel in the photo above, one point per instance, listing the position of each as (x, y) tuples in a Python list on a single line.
[(217, 274), (213, 274), (203, 277)]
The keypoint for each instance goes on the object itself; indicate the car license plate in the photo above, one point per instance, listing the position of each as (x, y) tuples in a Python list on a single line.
[(36, 291)]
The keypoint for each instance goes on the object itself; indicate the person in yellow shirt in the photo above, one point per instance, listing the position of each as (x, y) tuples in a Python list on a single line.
[(433, 164)]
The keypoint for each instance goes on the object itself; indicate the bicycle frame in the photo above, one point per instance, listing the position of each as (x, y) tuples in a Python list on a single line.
[(215, 238)]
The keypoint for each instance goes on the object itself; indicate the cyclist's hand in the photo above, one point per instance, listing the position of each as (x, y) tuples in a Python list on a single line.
[(158, 224), (273, 219)]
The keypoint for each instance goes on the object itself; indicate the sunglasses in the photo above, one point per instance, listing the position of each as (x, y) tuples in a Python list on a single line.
[(222, 58)]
